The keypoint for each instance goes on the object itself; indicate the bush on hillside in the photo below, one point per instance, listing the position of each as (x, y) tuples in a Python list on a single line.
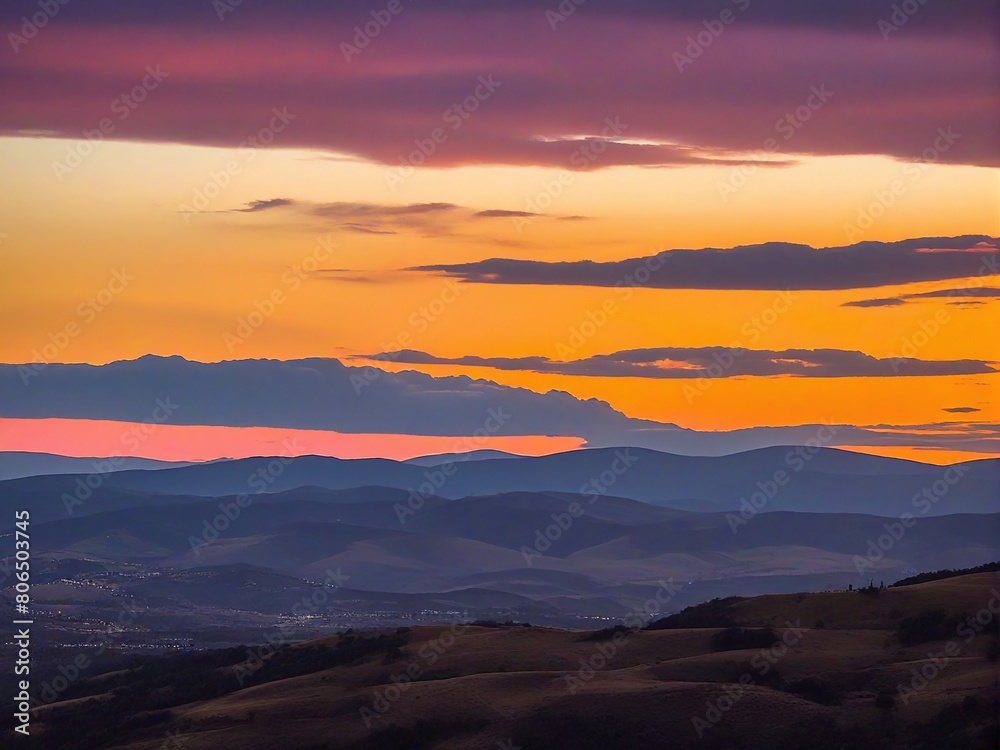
[(938, 575), (606, 634), (716, 613)]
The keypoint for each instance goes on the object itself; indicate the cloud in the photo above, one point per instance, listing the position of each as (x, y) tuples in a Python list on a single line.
[(252, 207), (263, 205), (774, 266), (970, 16), (979, 247), (882, 302), (378, 211), (981, 291), (366, 218), (497, 213), (379, 219), (425, 219), (324, 394), (709, 362), (362, 229), (308, 393), (961, 409), (609, 57), (902, 299)]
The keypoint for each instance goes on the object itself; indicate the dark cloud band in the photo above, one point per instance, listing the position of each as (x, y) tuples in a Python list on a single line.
[(323, 394), (382, 105), (772, 266)]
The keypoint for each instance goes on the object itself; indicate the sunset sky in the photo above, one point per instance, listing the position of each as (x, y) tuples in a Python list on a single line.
[(229, 182)]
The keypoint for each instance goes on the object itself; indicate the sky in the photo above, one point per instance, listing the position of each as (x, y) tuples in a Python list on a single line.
[(697, 226)]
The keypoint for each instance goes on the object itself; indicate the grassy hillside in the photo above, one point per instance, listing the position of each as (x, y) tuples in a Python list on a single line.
[(881, 609), (938, 575), (847, 681)]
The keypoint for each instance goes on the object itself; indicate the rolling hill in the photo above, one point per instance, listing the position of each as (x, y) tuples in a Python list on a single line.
[(796, 479), (848, 682), (557, 550)]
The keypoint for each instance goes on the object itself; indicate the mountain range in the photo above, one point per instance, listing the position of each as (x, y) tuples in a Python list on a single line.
[(820, 480), (580, 534)]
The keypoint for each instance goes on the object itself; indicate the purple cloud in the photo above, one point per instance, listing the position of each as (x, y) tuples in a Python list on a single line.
[(666, 362), (774, 265)]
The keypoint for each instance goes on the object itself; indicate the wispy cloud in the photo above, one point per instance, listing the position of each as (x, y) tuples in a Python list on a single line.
[(902, 299), (705, 362), (440, 219), (496, 213), (263, 205)]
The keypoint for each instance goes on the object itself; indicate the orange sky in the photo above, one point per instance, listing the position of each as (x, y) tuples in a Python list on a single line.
[(196, 278)]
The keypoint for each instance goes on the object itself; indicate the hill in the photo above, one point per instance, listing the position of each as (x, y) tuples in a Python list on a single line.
[(795, 479), (851, 683), (557, 550), (937, 575), (18, 464)]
